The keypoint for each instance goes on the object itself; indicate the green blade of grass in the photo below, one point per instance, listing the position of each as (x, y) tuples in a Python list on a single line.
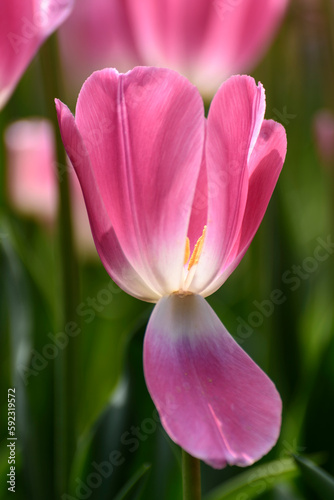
[(256, 480)]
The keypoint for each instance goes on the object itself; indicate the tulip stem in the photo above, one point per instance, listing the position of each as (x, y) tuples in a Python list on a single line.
[(65, 363), (191, 477)]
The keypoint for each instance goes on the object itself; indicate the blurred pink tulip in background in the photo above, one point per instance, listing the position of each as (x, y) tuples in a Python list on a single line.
[(323, 129), (32, 188), (207, 41), (97, 34), (31, 175), (24, 25)]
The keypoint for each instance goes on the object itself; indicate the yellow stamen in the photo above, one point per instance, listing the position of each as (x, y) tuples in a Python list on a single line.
[(187, 251), (197, 250)]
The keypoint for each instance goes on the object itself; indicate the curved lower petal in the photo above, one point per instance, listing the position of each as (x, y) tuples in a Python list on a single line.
[(213, 400), (235, 118), (144, 133), (105, 239)]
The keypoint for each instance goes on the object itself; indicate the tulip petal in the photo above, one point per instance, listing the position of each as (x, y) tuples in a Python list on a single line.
[(24, 25), (237, 35), (169, 33), (199, 209), (207, 41), (234, 122), (264, 168), (100, 31), (144, 133), (104, 236), (213, 400)]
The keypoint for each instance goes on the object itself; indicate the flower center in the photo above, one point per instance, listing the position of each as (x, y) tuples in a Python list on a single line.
[(196, 252), (190, 261)]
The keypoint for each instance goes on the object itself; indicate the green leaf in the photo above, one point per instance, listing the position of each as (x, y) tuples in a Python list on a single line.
[(133, 482), (105, 332), (255, 481), (319, 480), (33, 424), (113, 415)]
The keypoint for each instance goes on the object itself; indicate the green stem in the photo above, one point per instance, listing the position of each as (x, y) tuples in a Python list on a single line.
[(65, 362), (191, 477)]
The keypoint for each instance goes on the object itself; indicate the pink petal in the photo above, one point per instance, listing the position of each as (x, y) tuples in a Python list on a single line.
[(82, 233), (207, 41), (264, 168), (97, 35), (31, 178), (144, 134), (265, 165), (24, 25), (234, 122), (238, 35), (169, 33), (213, 400), (104, 236), (199, 210)]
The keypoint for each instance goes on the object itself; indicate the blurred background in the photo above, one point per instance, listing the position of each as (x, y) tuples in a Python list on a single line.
[(71, 340)]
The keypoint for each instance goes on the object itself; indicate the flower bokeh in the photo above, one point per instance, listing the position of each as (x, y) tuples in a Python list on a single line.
[(207, 41), (32, 179), (24, 26), (31, 175)]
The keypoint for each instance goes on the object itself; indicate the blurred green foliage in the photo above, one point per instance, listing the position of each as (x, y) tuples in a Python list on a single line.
[(117, 429)]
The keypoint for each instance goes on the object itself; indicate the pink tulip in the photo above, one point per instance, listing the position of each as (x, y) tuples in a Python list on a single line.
[(31, 176), (174, 201), (32, 179), (205, 40), (96, 35), (24, 25)]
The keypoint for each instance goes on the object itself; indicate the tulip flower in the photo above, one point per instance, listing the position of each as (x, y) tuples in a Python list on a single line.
[(24, 25), (174, 200), (207, 41), (31, 175), (96, 35), (32, 179)]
